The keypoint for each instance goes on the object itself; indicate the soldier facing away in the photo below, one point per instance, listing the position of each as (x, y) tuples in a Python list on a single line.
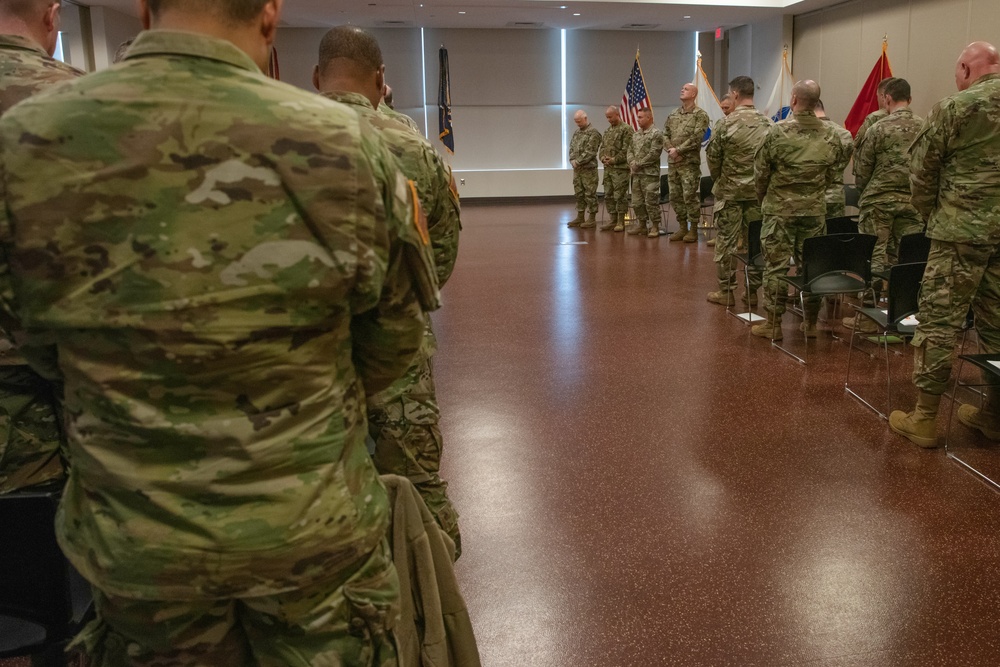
[(792, 170), (403, 419), (30, 432), (955, 185), (644, 165), (874, 116), (836, 201), (244, 265), (583, 148), (683, 132), (614, 156)]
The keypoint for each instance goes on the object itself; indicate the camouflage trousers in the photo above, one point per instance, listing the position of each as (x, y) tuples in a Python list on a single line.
[(29, 430), (958, 275), (836, 204), (585, 189), (685, 192), (349, 621), (732, 224), (616, 194), (403, 422), (646, 199), (888, 223), (781, 239)]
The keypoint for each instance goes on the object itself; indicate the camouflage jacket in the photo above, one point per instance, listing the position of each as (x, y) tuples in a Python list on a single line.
[(685, 130), (26, 69), (731, 150), (422, 165), (389, 112), (954, 179), (882, 166), (644, 151), (796, 164), (835, 193), (241, 267), (615, 144), (866, 124), (583, 147)]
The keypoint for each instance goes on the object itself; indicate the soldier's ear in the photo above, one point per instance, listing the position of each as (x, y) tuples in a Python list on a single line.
[(380, 79), (269, 18), (144, 14), (316, 78)]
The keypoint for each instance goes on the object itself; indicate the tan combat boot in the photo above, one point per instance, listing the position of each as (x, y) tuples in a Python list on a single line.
[(808, 327), (919, 426), (692, 233), (721, 298), (610, 224), (680, 233), (620, 227), (638, 227), (770, 328), (865, 325), (987, 420), (577, 221), (591, 221), (710, 243)]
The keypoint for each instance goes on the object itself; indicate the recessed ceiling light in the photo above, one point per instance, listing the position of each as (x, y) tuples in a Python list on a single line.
[(562, 6), (461, 12), (687, 17), (577, 14)]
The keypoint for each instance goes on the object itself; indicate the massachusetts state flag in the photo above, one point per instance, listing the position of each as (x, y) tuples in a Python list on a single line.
[(635, 96), (445, 132), (781, 97), (867, 101), (707, 100)]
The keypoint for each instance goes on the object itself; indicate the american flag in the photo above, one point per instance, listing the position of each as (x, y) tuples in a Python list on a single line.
[(635, 96)]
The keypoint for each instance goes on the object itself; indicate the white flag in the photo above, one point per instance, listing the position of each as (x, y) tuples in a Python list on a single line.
[(709, 101), (781, 97)]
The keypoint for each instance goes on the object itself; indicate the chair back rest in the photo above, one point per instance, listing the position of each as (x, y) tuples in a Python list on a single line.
[(754, 250), (913, 248), (851, 195), (904, 290), (705, 187), (34, 574), (837, 255), (664, 188), (842, 225)]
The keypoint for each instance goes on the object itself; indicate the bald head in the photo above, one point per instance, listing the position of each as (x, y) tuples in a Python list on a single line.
[(689, 93), (805, 95), (613, 115), (977, 60), (580, 118), (350, 60), (36, 20)]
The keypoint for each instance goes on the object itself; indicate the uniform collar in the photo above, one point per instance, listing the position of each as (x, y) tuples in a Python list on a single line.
[(986, 77), (903, 110), (350, 99), (806, 117), (21, 43), (177, 43)]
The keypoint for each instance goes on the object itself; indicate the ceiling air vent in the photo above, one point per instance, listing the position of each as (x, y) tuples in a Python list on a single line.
[(525, 24), (394, 24), (640, 26)]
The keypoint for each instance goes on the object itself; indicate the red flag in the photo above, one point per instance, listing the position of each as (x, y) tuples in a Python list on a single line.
[(867, 101)]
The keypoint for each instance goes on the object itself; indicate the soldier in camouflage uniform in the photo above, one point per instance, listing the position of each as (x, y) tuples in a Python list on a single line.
[(955, 186), (874, 116), (836, 204), (244, 264), (730, 154), (727, 105), (683, 132), (882, 170), (583, 149), (386, 108), (403, 419), (614, 156), (644, 165), (29, 417), (792, 170)]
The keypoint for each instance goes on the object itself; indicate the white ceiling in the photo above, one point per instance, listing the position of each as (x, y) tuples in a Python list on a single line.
[(593, 14)]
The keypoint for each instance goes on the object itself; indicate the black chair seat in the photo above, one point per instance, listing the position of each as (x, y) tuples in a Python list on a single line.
[(19, 637), (835, 283)]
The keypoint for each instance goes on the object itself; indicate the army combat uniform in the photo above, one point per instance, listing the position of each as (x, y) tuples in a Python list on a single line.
[(792, 170), (403, 419), (955, 185), (29, 416), (583, 149), (644, 165), (684, 131), (399, 117), (836, 204), (866, 124), (730, 154), (614, 147), (243, 265)]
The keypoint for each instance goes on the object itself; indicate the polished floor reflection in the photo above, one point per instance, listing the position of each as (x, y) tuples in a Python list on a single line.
[(644, 483)]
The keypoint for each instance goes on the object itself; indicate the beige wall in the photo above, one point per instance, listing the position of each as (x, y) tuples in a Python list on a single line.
[(839, 46)]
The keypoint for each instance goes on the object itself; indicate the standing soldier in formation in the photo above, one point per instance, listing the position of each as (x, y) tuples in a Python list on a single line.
[(614, 157), (583, 158), (403, 419), (29, 413), (874, 116), (882, 169), (792, 170), (727, 105), (730, 155), (218, 308), (836, 203), (644, 165), (683, 132), (955, 186)]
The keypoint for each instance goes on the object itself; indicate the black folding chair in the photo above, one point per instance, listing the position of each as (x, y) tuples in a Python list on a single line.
[(833, 264), (753, 257), (904, 293), (707, 200), (912, 248), (851, 196), (842, 225), (43, 601)]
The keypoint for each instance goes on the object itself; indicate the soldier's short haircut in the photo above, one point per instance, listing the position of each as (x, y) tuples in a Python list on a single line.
[(232, 11), (25, 9), (743, 86), (820, 106), (898, 90), (882, 84), (807, 92), (351, 43)]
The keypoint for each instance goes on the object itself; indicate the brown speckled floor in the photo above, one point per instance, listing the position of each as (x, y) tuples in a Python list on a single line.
[(643, 483)]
